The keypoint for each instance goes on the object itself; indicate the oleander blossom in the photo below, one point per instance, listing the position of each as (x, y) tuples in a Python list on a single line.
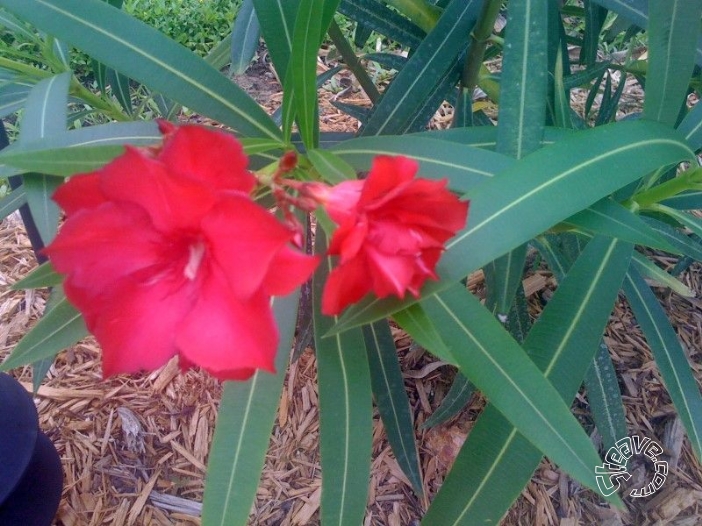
[(391, 234), (165, 253)]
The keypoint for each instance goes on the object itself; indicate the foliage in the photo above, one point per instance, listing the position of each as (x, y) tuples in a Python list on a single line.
[(199, 25), (583, 186)]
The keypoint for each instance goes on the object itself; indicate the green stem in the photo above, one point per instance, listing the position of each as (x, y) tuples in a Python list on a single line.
[(423, 14), (352, 62), (479, 38), (97, 102), (689, 180), (25, 69)]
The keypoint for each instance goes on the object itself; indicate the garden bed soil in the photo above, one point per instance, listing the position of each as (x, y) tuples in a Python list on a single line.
[(134, 448)]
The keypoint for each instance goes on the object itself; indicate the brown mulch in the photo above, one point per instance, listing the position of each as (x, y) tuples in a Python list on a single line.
[(134, 448)]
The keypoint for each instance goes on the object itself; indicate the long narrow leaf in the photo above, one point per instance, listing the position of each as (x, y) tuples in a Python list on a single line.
[(306, 40), (610, 218), (464, 166), (605, 398), (12, 201), (44, 115), (458, 396), (383, 20), (669, 355), (59, 328), (671, 52), (244, 425), (277, 21), (391, 399), (245, 37), (345, 415)]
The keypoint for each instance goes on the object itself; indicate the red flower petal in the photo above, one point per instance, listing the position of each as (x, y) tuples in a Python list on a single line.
[(346, 284), (135, 324), (244, 239), (386, 174), (172, 202), (288, 269), (208, 156), (99, 246), (79, 192), (226, 336)]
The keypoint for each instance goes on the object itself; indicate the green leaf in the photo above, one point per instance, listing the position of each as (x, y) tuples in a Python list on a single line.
[(611, 219), (141, 52), (496, 461), (330, 166), (245, 36), (345, 414), (509, 209), (375, 15), (523, 80), (691, 200), (303, 64), (139, 133), (511, 381), (59, 328), (43, 276), (605, 399), (12, 201), (669, 355), (120, 89), (16, 26), (464, 166), (686, 219), (521, 125), (13, 97), (277, 21), (433, 58), (424, 332), (683, 244), (655, 273), (391, 399), (691, 127), (91, 147), (40, 369), (502, 277), (442, 90), (44, 115), (457, 398), (220, 55), (62, 162), (671, 57), (244, 425)]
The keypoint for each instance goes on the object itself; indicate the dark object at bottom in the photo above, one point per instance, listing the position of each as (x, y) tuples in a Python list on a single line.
[(31, 477)]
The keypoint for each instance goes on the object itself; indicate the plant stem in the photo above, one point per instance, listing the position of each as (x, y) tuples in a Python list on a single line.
[(24, 69), (100, 103), (352, 62), (479, 38), (689, 180), (423, 14)]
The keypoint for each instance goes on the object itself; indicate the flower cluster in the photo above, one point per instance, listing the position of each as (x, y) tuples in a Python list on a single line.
[(166, 253), (392, 230)]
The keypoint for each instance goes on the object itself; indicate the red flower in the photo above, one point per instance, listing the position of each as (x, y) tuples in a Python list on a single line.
[(392, 230), (166, 253)]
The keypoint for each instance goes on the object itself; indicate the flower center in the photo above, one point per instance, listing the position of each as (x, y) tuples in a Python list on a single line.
[(197, 252)]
